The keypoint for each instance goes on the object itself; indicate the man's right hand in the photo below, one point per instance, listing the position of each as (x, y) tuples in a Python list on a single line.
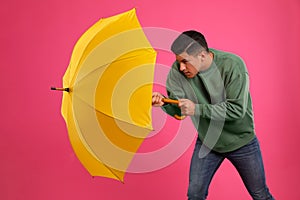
[(157, 99)]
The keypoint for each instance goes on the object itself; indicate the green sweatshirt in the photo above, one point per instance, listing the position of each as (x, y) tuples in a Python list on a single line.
[(223, 115)]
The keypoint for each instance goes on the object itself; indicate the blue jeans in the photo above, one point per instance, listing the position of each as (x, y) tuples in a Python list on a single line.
[(248, 162)]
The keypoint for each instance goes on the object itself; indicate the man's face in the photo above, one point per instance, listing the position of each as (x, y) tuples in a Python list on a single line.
[(189, 64)]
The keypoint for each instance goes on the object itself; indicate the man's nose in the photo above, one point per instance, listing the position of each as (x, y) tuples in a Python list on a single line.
[(182, 66)]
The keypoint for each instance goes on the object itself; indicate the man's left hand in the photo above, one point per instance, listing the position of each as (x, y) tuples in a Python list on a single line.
[(187, 107)]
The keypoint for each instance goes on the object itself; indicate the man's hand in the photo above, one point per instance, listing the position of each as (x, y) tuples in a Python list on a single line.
[(157, 99), (187, 107)]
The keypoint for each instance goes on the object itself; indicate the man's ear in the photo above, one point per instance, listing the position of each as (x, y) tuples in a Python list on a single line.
[(201, 55)]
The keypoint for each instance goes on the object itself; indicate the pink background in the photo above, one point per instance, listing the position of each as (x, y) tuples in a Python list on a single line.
[(37, 37)]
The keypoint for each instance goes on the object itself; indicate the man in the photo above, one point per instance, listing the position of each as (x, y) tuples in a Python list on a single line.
[(212, 87)]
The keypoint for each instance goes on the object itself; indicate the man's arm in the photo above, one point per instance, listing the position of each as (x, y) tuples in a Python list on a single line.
[(234, 107)]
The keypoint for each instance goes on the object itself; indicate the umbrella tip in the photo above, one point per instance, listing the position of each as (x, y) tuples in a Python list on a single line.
[(61, 89)]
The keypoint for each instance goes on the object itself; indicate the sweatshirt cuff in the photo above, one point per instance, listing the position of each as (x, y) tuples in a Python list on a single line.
[(198, 110)]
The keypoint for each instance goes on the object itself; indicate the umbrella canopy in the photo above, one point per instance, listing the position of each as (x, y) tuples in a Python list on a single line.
[(108, 94)]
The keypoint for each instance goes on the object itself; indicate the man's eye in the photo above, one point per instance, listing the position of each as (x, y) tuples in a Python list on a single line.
[(184, 61)]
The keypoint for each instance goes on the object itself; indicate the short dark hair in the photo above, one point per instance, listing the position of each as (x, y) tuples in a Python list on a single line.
[(191, 42)]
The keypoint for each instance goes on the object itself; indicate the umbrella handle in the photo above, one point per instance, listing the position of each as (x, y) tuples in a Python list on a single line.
[(179, 117), (172, 101)]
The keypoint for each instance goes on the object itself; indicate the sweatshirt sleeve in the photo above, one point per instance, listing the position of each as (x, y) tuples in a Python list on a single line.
[(174, 91), (235, 104)]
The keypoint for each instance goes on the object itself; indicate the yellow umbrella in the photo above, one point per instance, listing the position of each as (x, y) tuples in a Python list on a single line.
[(108, 91)]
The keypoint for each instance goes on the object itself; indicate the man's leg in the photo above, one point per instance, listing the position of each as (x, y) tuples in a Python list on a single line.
[(201, 172), (248, 162)]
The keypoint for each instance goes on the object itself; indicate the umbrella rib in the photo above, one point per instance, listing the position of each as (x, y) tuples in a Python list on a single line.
[(121, 120), (112, 172)]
